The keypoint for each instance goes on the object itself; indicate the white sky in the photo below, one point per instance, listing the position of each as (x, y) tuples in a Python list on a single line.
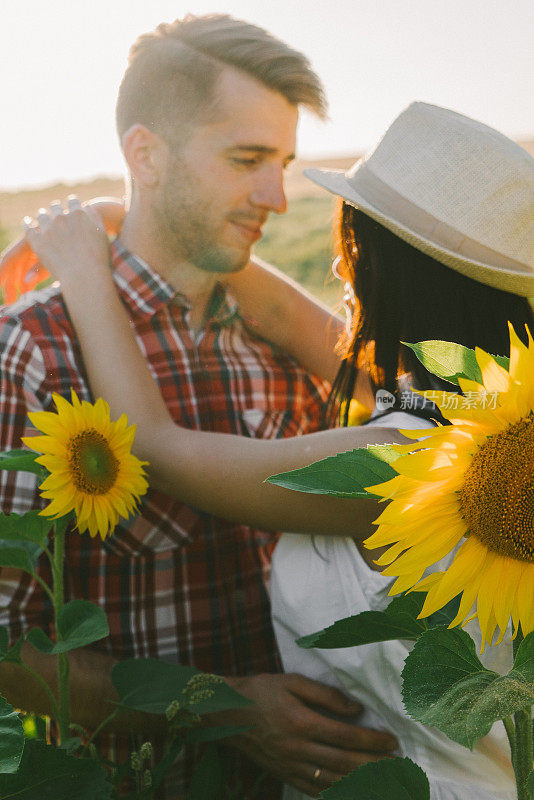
[(62, 61)]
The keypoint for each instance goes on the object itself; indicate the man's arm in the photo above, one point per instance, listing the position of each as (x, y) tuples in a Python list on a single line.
[(92, 693), (280, 310)]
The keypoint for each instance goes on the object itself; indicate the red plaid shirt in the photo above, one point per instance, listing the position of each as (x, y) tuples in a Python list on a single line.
[(174, 582)]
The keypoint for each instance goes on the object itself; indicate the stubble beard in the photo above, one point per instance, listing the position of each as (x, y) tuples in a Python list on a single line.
[(186, 226)]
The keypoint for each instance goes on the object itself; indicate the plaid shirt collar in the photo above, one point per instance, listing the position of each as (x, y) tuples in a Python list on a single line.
[(145, 292)]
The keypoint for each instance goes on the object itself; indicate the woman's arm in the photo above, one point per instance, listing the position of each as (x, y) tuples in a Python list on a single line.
[(284, 313), (20, 270), (220, 473)]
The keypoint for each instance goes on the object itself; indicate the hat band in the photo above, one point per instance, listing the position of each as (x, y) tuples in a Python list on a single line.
[(408, 214)]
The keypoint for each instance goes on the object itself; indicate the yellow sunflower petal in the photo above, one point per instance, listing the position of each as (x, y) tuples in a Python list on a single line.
[(473, 479), (44, 444), (495, 377), (524, 604), (92, 470), (49, 423), (57, 508)]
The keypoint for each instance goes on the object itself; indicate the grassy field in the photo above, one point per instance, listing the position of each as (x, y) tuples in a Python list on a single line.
[(300, 244)]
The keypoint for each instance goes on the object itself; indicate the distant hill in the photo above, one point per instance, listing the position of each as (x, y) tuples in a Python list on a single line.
[(299, 242), (14, 205)]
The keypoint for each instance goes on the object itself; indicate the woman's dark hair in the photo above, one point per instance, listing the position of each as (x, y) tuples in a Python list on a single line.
[(403, 295)]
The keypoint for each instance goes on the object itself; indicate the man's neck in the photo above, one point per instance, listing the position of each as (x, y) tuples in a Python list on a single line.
[(143, 239)]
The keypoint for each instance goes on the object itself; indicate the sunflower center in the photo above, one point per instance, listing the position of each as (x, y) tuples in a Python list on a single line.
[(94, 467), (497, 497)]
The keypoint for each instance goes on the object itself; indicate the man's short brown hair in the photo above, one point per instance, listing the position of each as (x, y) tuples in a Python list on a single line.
[(172, 72)]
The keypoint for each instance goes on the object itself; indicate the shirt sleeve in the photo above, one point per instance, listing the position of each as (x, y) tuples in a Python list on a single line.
[(22, 382), (318, 391)]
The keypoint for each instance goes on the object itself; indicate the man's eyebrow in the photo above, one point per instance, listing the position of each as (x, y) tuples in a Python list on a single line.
[(258, 148)]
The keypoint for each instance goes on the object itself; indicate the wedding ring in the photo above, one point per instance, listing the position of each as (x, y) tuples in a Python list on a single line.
[(317, 773)]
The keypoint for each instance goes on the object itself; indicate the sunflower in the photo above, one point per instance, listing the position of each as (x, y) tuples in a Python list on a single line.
[(472, 480), (92, 470)]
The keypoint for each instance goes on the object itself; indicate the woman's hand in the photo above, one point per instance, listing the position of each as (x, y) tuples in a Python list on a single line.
[(20, 270), (72, 244)]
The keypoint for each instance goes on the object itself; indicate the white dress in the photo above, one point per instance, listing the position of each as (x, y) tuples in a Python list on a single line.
[(317, 580)]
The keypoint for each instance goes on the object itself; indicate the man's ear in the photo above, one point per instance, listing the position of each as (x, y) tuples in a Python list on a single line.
[(145, 153)]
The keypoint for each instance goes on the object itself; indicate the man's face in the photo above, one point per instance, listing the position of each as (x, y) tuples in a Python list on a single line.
[(221, 185)]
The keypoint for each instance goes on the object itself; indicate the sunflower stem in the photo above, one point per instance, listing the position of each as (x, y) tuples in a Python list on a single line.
[(98, 729), (524, 754), (45, 588), (524, 751), (45, 686), (63, 718), (510, 732)]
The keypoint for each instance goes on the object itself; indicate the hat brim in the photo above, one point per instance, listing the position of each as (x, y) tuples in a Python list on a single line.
[(516, 282)]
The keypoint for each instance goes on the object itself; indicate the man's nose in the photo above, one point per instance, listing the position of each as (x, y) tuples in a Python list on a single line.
[(269, 192)]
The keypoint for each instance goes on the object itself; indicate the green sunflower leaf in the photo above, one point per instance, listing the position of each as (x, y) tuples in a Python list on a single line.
[(147, 684), (207, 782), (446, 685), (451, 361), (11, 739), (20, 460), (398, 778), (343, 475), (17, 557), (398, 621), (30, 527), (213, 734), (49, 773), (79, 623), (8, 653), (530, 784)]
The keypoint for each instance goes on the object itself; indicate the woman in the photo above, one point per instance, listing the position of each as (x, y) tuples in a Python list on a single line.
[(434, 244)]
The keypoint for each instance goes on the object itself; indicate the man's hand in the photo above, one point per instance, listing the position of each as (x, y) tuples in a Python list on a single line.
[(292, 740)]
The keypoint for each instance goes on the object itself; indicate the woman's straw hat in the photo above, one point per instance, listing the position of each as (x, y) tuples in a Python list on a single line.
[(452, 187)]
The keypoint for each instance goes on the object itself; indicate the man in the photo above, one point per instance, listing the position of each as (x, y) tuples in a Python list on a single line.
[(207, 115)]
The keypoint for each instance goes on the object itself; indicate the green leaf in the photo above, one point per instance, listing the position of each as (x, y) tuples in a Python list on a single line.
[(160, 770), (343, 475), (29, 527), (79, 623), (49, 773), (446, 685), (444, 616), (383, 452), (213, 734), (22, 539), (530, 784), (7, 653), (451, 361), (71, 745), (11, 739), (398, 621), (17, 557), (146, 684), (395, 778), (207, 780), (23, 460)]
